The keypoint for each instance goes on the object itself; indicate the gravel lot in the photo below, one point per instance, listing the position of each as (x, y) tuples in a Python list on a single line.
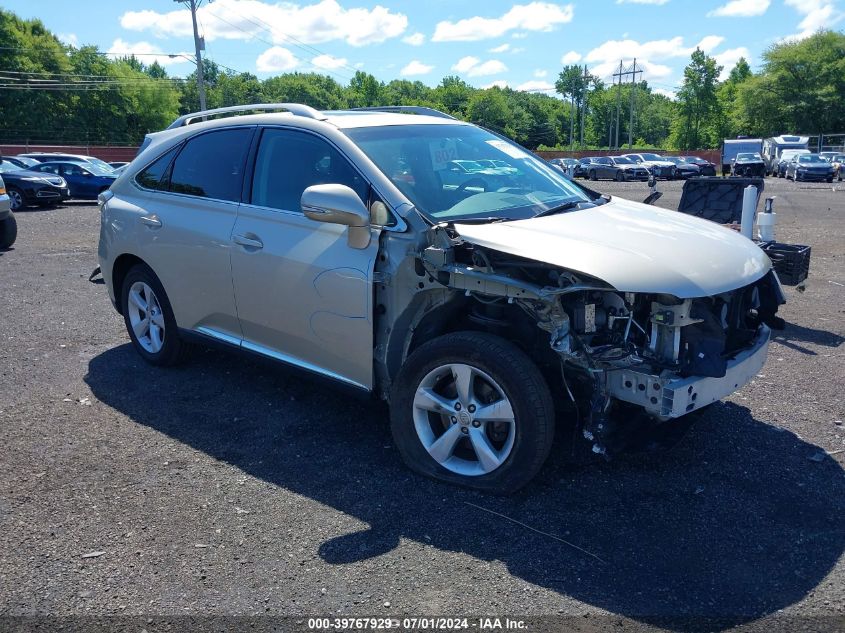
[(231, 487)]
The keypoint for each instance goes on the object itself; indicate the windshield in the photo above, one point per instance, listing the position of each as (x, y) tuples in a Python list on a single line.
[(103, 165), (460, 172), (652, 157), (748, 156), (98, 170), (623, 161), (809, 158), (6, 166)]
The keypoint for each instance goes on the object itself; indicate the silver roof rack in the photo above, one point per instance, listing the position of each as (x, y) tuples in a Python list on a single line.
[(294, 108), (406, 110)]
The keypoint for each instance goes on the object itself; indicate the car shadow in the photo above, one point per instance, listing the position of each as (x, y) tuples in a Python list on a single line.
[(733, 524), (793, 334)]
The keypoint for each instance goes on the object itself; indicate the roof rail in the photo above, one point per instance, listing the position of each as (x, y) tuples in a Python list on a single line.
[(406, 109), (294, 108)]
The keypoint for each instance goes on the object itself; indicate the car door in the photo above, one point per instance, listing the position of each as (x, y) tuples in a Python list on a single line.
[(184, 219), (303, 294), (72, 173), (606, 168)]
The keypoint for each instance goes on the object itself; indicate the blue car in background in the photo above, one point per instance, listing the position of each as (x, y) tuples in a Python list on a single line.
[(85, 180)]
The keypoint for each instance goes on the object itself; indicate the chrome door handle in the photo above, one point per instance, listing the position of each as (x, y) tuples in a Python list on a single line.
[(151, 221), (249, 242)]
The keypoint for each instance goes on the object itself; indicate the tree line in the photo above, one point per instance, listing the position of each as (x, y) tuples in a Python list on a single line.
[(54, 93)]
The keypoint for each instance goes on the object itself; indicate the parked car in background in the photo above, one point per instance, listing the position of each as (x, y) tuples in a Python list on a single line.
[(473, 312), (118, 163), (808, 167), (564, 164), (21, 161), (773, 149), (616, 168), (46, 157), (683, 169), (8, 224), (705, 167), (786, 157), (748, 164), (827, 155), (732, 147), (85, 180), (657, 165), (838, 163), (29, 188), (582, 168)]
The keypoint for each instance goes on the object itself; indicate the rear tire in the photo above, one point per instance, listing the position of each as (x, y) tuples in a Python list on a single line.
[(149, 318), (8, 231), (441, 389)]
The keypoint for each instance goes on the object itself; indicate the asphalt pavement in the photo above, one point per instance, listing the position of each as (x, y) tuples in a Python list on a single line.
[(231, 487)]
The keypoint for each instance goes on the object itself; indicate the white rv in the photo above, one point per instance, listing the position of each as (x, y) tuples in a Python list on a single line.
[(773, 147)]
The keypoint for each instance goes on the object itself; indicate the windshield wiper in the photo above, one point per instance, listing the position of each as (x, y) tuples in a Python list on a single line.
[(486, 220), (566, 206)]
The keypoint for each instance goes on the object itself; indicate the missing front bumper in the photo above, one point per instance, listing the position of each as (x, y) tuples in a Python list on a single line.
[(672, 396)]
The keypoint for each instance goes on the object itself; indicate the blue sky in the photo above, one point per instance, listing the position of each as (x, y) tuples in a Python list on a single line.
[(522, 44)]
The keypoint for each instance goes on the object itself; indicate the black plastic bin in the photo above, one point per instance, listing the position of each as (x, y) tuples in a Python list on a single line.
[(791, 261), (717, 199)]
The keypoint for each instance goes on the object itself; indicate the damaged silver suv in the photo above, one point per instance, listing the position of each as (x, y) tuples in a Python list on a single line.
[(487, 298)]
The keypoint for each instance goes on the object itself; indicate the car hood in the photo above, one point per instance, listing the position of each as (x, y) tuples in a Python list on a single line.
[(632, 246), (658, 163), (26, 173)]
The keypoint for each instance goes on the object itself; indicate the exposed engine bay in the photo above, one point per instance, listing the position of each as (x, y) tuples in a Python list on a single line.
[(615, 354)]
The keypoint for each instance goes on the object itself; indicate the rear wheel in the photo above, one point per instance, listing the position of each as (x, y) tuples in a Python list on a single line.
[(149, 318), (8, 231), (15, 198), (472, 409)]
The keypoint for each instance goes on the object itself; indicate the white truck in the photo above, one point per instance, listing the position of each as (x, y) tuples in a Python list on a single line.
[(773, 149)]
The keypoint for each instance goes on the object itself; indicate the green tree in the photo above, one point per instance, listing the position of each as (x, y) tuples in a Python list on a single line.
[(697, 102), (489, 108)]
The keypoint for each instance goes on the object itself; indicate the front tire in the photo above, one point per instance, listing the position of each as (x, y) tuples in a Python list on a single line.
[(8, 231), (620, 177), (472, 409), (149, 318), (16, 199), (593, 175)]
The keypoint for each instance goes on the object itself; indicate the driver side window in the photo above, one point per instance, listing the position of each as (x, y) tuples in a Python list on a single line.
[(289, 161)]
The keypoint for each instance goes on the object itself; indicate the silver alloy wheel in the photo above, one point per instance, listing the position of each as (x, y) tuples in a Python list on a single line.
[(15, 199), (464, 419), (146, 317)]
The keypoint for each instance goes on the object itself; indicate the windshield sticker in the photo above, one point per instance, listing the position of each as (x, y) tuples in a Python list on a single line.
[(442, 152), (507, 148)]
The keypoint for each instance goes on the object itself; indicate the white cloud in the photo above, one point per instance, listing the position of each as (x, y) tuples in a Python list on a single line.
[(540, 73), (416, 68), (328, 62), (276, 59), (741, 9), (666, 93), (244, 19), (710, 42), (730, 57), (416, 39), (500, 49), (642, 1), (535, 16), (69, 38), (499, 83), (474, 67), (818, 14), (570, 58), (535, 86), (147, 53)]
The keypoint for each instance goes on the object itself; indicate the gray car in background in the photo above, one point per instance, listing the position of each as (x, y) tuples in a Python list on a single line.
[(476, 298)]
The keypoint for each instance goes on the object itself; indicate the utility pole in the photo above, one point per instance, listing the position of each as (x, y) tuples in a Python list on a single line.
[(586, 78), (199, 45), (618, 103), (633, 104)]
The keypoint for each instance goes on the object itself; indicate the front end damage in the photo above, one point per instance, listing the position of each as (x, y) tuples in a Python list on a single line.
[(615, 355)]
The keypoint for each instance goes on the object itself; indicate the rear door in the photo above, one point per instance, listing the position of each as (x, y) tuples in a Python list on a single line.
[(303, 295), (183, 226)]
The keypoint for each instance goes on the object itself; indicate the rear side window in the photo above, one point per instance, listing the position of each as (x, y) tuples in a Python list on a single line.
[(211, 165), (288, 162), (154, 176)]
